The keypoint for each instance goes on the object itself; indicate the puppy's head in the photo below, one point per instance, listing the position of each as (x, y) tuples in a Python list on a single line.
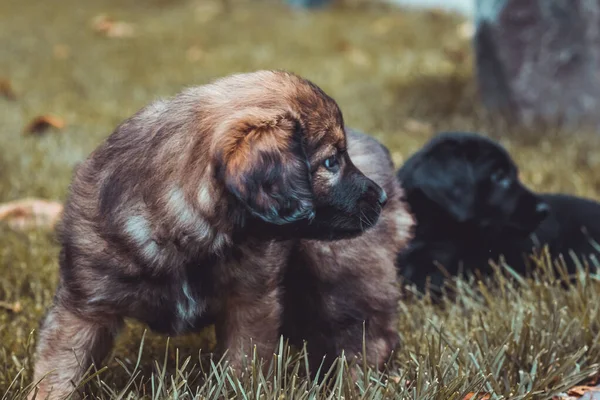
[(282, 154), (473, 180)]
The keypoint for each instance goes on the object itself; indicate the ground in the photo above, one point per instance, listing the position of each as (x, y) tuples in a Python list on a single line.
[(400, 76)]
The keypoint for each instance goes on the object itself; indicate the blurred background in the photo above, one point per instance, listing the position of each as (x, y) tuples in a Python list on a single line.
[(401, 70)]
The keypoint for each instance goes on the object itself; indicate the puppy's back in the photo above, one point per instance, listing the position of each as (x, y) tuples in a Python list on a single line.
[(373, 159), (573, 224)]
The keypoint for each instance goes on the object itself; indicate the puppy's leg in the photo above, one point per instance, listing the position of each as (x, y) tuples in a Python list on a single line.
[(381, 339), (67, 346), (378, 303), (381, 329), (250, 321)]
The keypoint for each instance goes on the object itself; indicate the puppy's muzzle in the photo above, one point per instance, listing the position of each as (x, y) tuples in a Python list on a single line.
[(374, 195), (542, 210), (371, 204)]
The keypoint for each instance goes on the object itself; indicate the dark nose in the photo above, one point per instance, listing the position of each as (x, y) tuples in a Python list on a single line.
[(373, 194), (542, 209)]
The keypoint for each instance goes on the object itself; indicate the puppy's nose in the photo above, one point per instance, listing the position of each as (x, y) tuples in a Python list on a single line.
[(542, 209)]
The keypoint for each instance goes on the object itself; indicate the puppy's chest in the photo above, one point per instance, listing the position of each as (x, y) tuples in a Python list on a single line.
[(182, 304), (190, 308)]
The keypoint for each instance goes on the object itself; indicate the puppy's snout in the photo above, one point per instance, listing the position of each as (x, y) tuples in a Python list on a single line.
[(374, 194), (542, 209)]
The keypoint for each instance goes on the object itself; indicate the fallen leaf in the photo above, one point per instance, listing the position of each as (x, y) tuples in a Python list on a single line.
[(6, 89), (480, 396), (61, 51), (31, 213), (194, 53), (456, 55), (102, 23), (342, 45), (108, 27), (581, 390), (356, 55), (15, 307), (414, 125), (42, 123)]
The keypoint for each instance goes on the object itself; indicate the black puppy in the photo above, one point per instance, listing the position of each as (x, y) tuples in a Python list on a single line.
[(471, 208)]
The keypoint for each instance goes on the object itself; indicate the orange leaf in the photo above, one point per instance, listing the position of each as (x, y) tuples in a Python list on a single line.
[(414, 125), (108, 27), (6, 89), (42, 123), (61, 51), (12, 307), (581, 390), (31, 213), (194, 53), (481, 396)]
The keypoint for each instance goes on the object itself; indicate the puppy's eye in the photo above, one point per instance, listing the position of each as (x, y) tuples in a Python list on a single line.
[(497, 176), (501, 178), (331, 163)]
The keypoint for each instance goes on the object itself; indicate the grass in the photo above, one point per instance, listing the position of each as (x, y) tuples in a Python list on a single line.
[(399, 76)]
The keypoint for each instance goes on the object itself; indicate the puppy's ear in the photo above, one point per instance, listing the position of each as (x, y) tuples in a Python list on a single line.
[(448, 181), (262, 162)]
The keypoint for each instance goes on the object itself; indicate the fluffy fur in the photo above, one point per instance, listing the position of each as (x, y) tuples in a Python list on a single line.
[(470, 208), (332, 287), (196, 210)]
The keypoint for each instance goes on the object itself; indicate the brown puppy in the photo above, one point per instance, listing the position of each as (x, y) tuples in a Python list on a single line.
[(332, 287), (190, 213)]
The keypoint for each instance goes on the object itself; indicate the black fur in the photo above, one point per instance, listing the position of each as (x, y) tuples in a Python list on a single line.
[(356, 197), (471, 208)]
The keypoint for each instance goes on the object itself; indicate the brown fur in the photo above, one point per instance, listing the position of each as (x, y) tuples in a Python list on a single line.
[(197, 209), (331, 288)]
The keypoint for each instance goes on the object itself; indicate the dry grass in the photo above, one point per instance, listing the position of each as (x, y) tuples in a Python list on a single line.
[(399, 76)]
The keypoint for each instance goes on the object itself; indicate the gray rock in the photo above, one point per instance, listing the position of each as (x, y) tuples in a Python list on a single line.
[(539, 60)]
